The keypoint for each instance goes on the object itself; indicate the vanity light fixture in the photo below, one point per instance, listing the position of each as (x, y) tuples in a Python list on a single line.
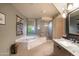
[(72, 6), (69, 6), (66, 10), (64, 14)]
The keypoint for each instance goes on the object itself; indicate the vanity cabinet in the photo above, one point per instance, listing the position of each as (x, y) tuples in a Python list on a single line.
[(58, 27), (60, 51)]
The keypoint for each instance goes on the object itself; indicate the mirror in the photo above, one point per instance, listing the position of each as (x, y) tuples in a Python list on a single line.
[(74, 22)]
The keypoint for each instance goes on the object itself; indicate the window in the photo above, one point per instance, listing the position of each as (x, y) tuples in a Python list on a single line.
[(31, 27)]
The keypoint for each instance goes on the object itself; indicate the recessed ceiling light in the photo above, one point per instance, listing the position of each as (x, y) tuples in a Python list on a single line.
[(46, 25), (44, 11), (46, 18)]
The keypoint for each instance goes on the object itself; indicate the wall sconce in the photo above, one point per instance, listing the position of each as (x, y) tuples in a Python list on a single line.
[(69, 6), (72, 6), (64, 14)]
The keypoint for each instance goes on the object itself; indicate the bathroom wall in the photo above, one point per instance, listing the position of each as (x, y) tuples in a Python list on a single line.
[(43, 25), (58, 27), (40, 26), (8, 31)]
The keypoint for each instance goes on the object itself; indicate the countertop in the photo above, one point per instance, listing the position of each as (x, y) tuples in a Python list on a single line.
[(68, 45)]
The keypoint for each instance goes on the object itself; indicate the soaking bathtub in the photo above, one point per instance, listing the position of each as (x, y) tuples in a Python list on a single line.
[(31, 41)]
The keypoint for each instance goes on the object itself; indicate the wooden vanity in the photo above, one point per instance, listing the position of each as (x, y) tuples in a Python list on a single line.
[(63, 47), (60, 51)]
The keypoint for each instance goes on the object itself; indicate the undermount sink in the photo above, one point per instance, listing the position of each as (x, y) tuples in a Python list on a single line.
[(70, 45), (66, 43)]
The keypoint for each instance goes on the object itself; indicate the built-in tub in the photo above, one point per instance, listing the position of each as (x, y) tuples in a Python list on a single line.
[(32, 41)]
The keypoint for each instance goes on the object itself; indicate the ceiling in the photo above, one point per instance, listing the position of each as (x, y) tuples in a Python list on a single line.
[(36, 10), (60, 6)]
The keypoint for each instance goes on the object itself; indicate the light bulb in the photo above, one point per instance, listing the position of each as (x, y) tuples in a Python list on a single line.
[(45, 25), (70, 6), (64, 15), (38, 27)]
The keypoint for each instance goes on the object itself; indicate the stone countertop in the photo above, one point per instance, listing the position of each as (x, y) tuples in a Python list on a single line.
[(68, 45)]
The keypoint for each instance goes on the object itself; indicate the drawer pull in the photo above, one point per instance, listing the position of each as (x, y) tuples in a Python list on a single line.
[(59, 47)]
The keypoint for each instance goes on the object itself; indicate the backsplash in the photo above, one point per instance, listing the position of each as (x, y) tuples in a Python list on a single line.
[(73, 37)]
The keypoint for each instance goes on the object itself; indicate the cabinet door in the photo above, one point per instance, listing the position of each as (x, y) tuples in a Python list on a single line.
[(58, 27), (59, 51)]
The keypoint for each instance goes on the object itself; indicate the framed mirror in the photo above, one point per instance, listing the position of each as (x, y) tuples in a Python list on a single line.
[(73, 18)]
